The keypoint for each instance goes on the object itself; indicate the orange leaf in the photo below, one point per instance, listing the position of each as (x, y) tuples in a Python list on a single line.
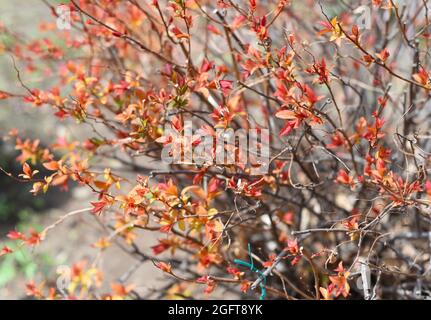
[(102, 243), (286, 114), (344, 178), (52, 165), (180, 35), (383, 55), (164, 267), (26, 169), (28, 173), (4, 95), (121, 290)]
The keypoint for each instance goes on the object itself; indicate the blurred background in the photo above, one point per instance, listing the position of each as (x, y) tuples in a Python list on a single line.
[(19, 209)]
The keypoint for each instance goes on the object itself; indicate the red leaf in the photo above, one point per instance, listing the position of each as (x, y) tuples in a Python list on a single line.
[(32, 290), (288, 127), (5, 250), (117, 34), (344, 178), (238, 21), (98, 207), (34, 238), (213, 29), (161, 247), (4, 95), (203, 279), (15, 235)]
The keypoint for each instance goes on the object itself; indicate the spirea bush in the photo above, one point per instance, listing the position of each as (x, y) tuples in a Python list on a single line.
[(305, 172)]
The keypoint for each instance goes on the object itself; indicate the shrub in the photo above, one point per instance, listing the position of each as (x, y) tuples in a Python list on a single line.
[(332, 98)]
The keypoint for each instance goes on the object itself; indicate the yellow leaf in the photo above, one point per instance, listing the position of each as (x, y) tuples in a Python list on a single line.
[(212, 212)]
